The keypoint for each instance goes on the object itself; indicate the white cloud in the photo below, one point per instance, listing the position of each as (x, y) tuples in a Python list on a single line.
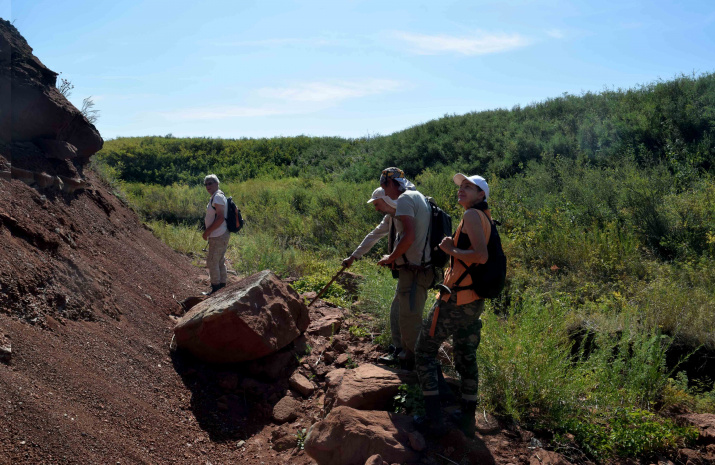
[(555, 33), (331, 92), (301, 99), (211, 113), (480, 44)]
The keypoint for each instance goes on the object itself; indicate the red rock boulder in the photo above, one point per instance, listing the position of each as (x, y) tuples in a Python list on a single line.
[(253, 318), (349, 437), (367, 387)]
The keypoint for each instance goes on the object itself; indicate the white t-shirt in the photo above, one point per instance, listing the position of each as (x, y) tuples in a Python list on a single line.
[(218, 199), (414, 204)]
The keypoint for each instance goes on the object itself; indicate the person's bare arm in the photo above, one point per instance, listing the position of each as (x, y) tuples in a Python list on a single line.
[(477, 253)]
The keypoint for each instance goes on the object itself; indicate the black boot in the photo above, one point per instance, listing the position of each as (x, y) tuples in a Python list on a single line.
[(465, 417), (214, 288), (221, 285), (407, 360), (390, 358), (432, 423), (446, 396)]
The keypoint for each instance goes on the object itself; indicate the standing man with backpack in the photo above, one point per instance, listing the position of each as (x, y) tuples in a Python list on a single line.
[(216, 233), (411, 257), (475, 247), (392, 228)]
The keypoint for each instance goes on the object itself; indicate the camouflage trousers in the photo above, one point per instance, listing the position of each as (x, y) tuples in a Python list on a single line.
[(462, 322)]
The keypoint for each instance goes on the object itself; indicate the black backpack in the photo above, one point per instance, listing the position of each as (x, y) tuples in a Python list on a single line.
[(488, 279), (440, 227), (234, 219)]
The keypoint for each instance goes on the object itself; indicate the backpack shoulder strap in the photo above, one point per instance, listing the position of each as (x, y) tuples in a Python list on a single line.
[(467, 268), (430, 203)]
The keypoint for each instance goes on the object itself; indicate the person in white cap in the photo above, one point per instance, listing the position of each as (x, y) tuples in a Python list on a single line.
[(458, 313), (392, 228)]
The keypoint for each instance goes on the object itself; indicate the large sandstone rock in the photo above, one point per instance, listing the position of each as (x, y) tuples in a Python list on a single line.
[(367, 387), (349, 437), (253, 318), (37, 110)]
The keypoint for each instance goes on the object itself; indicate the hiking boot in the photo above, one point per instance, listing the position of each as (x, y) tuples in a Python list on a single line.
[(221, 285), (214, 288), (432, 423), (465, 418), (446, 396), (390, 358), (406, 360)]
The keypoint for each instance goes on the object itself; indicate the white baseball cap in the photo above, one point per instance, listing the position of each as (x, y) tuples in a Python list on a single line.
[(476, 180), (379, 193)]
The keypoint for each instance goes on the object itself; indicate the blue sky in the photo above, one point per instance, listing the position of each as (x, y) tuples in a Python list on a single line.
[(349, 68)]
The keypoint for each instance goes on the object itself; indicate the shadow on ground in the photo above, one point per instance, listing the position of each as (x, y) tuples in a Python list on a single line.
[(226, 402)]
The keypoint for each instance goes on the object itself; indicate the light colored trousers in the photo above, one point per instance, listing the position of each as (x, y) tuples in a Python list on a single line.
[(216, 258), (412, 287)]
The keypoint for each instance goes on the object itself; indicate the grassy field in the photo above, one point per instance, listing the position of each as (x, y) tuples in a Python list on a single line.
[(607, 204)]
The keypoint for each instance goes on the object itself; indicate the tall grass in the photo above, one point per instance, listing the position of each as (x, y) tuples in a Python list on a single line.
[(623, 250)]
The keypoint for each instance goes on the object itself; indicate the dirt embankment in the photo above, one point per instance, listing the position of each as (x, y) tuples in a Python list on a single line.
[(86, 294)]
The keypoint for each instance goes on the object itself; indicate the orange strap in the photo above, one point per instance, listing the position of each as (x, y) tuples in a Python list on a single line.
[(434, 321)]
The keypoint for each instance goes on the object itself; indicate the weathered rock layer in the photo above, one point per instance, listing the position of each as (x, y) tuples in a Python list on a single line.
[(44, 139)]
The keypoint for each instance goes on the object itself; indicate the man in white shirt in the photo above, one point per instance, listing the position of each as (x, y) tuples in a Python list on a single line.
[(216, 233), (391, 227), (411, 257)]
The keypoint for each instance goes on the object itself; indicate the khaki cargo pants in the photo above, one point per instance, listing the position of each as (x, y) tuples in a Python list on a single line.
[(216, 258)]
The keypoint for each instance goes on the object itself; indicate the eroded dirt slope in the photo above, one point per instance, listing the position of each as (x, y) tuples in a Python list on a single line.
[(85, 303)]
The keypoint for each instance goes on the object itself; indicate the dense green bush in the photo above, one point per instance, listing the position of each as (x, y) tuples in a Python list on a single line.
[(667, 121)]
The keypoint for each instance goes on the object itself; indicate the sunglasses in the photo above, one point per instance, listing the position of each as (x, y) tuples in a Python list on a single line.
[(208, 183)]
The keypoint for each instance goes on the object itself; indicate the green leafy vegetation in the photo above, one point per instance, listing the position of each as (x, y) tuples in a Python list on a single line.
[(630, 432), (316, 282), (607, 205), (408, 400), (358, 331), (301, 436)]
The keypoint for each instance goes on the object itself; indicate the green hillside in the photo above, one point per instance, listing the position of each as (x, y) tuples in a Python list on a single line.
[(607, 203), (669, 122)]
